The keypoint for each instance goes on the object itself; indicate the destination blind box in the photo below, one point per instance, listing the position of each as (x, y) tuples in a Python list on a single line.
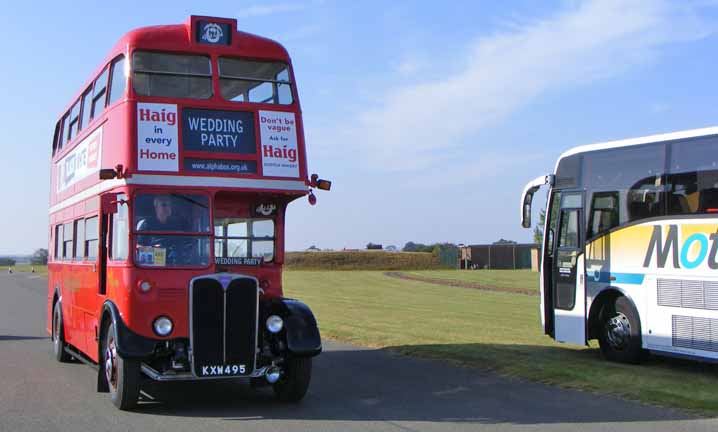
[(213, 31)]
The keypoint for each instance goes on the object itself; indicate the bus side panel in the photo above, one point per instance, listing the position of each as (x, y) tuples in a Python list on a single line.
[(51, 284), (681, 315), (85, 274), (76, 290), (664, 268)]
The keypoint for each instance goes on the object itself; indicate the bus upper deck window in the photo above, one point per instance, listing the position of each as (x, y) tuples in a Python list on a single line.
[(117, 85), (172, 75), (255, 81)]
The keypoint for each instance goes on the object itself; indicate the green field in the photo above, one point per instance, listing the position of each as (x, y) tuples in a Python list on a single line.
[(490, 330), (524, 279)]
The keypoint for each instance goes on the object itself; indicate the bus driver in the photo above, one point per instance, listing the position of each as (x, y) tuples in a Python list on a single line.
[(163, 219)]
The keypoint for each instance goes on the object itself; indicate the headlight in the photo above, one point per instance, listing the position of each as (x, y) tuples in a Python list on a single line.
[(275, 323), (162, 326)]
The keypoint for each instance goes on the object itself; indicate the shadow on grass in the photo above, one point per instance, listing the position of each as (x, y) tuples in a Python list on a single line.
[(351, 384)]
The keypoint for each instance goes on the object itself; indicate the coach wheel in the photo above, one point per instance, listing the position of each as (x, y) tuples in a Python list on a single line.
[(58, 336), (294, 383), (122, 375), (620, 337)]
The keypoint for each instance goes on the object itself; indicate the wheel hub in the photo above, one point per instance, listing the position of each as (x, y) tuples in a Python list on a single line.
[(111, 364), (56, 331), (618, 331)]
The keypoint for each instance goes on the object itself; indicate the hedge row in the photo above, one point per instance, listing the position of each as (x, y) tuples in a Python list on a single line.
[(361, 260)]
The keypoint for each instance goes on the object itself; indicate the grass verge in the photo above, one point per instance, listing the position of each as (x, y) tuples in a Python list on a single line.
[(489, 330), (26, 268)]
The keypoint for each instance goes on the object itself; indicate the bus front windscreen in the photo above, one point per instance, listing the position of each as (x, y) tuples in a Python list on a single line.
[(172, 230), (244, 238)]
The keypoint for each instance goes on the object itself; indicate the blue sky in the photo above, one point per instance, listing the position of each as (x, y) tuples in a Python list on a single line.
[(428, 117)]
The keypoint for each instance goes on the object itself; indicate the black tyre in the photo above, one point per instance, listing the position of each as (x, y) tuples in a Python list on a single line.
[(122, 376), (294, 383), (620, 336), (58, 335)]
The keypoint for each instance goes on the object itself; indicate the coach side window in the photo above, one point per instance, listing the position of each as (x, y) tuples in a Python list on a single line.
[(117, 86), (99, 94), (79, 239), (693, 177), (91, 236), (604, 213), (58, 242), (67, 237), (636, 173)]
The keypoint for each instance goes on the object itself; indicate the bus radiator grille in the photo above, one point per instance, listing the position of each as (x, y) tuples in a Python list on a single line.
[(224, 323), (695, 333)]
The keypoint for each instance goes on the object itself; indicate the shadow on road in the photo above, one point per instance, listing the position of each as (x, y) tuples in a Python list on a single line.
[(19, 338), (376, 385)]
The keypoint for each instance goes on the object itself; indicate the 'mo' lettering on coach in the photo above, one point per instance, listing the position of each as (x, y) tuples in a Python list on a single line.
[(663, 249), (157, 148)]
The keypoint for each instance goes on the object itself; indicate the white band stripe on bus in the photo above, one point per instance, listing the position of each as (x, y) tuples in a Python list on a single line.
[(188, 181)]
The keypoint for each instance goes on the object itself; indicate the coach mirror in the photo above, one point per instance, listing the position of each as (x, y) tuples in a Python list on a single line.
[(526, 210)]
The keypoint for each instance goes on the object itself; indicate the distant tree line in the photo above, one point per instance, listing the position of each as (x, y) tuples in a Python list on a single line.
[(417, 247), (39, 257)]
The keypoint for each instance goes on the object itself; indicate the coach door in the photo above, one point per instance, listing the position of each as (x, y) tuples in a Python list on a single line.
[(569, 293)]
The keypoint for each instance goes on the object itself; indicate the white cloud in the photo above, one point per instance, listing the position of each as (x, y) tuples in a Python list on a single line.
[(270, 9), (585, 42)]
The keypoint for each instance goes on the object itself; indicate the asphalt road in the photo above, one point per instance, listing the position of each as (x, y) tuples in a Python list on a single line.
[(352, 389)]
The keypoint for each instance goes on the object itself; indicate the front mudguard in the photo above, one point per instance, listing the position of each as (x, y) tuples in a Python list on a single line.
[(301, 330), (130, 345)]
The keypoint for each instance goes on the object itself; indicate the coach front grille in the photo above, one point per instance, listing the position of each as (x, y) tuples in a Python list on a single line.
[(223, 327)]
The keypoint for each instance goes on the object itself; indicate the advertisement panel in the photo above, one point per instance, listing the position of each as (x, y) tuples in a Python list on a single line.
[(81, 162), (220, 166), (278, 135), (218, 131), (157, 148)]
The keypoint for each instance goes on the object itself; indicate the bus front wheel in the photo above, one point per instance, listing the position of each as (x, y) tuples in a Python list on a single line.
[(294, 383), (122, 375), (620, 336)]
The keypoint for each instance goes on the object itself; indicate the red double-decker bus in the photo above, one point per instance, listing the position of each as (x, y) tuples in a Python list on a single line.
[(171, 173)]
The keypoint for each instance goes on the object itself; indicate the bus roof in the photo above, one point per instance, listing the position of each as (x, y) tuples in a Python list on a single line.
[(693, 133), (180, 37)]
